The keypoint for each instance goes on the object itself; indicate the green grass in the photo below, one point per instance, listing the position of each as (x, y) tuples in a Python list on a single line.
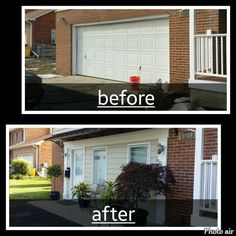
[(31, 188), (44, 66)]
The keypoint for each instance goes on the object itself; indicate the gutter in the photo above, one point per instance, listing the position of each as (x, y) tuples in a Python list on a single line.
[(37, 155)]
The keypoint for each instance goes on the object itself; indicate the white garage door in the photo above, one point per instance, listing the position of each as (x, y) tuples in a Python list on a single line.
[(118, 51), (27, 157)]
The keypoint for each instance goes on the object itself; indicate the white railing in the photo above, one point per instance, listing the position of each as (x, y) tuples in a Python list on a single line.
[(208, 191), (210, 54)]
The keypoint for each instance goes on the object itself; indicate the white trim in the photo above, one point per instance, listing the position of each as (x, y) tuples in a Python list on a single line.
[(148, 144), (199, 140), (191, 44), (101, 148), (76, 26)]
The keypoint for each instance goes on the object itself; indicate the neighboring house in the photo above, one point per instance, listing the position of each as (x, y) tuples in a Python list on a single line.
[(174, 46), (40, 29), (94, 155), (29, 144)]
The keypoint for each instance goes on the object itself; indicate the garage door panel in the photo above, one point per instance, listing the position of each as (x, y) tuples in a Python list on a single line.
[(116, 51), (109, 58), (133, 59), (146, 43), (109, 43), (133, 43), (121, 43), (121, 59), (162, 61), (160, 43), (147, 60), (148, 76)]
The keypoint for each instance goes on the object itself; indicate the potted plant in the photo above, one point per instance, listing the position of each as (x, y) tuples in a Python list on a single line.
[(108, 193), (54, 171), (81, 192), (137, 180)]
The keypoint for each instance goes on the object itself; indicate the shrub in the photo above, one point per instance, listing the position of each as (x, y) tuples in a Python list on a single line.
[(54, 171), (19, 176), (22, 167), (108, 194), (12, 176)]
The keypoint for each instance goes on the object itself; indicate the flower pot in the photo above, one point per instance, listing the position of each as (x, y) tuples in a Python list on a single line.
[(83, 202), (54, 195)]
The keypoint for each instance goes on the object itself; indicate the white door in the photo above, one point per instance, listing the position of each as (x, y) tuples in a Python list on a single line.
[(77, 166), (118, 51), (27, 157), (100, 166)]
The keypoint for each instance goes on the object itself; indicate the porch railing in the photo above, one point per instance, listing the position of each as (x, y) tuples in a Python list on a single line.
[(210, 54), (208, 191)]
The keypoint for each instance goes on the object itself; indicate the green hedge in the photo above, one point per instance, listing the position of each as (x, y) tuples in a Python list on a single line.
[(21, 167)]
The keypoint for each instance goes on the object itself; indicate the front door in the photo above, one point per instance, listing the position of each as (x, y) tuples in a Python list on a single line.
[(100, 166), (77, 166)]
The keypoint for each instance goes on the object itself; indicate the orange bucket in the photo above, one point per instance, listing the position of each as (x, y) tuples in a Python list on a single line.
[(134, 79)]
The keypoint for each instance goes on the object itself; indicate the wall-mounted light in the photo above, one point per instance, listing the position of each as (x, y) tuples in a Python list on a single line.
[(160, 148)]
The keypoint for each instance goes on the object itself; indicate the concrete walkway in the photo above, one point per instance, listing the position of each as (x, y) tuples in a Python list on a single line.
[(72, 213), (79, 79)]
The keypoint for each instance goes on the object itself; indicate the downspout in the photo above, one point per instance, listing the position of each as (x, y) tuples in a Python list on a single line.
[(36, 156)]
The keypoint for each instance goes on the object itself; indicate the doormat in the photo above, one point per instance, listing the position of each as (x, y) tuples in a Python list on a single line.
[(68, 202)]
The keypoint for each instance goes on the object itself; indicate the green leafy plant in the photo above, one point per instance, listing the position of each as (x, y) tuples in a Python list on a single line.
[(54, 171), (108, 194), (21, 167), (81, 190)]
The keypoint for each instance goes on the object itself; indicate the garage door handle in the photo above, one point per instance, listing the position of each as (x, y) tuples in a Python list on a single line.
[(140, 67), (85, 56)]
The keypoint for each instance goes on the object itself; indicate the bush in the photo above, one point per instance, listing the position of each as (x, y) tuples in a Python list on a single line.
[(22, 167), (12, 176), (19, 176)]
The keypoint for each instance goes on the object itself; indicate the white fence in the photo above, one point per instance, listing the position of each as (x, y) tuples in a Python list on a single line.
[(209, 185), (210, 51)]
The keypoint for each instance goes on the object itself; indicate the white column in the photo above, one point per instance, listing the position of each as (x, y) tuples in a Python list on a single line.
[(191, 44), (199, 141)]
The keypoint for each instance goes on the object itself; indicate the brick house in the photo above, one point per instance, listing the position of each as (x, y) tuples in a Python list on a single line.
[(40, 27), (94, 155), (174, 46), (29, 144)]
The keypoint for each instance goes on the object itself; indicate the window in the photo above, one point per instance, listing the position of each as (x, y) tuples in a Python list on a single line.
[(53, 37), (22, 135), (139, 153), (17, 137)]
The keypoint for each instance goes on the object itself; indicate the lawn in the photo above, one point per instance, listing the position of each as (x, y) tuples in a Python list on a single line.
[(40, 66), (31, 188)]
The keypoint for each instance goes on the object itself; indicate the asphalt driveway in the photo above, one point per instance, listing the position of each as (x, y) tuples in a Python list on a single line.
[(24, 214)]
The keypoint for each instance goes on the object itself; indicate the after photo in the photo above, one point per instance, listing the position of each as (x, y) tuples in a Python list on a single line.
[(107, 59), (125, 177)]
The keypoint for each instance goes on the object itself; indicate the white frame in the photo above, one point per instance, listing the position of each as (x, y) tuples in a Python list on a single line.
[(148, 144), (102, 148), (72, 165)]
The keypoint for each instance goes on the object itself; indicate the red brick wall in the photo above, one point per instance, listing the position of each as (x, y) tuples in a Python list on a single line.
[(210, 143), (58, 158), (180, 158), (33, 133), (42, 28), (45, 153), (179, 35)]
